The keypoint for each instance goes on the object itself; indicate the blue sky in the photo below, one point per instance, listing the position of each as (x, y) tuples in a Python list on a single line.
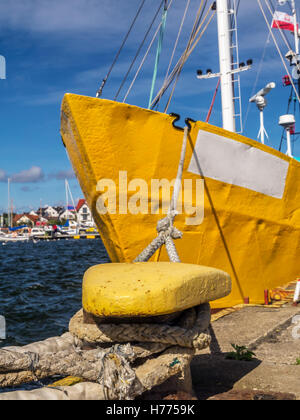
[(56, 46)]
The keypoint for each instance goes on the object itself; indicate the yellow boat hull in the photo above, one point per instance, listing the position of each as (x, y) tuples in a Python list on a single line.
[(248, 231)]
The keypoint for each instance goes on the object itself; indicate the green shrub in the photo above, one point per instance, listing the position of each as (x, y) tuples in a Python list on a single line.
[(240, 353)]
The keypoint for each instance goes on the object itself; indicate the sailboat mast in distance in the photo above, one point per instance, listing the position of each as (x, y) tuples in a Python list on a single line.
[(8, 202)]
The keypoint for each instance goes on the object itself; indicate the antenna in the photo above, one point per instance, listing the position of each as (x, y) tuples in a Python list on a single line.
[(288, 122), (261, 103)]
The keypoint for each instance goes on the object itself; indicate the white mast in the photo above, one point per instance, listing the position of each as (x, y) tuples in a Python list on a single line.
[(68, 191), (67, 198), (228, 109), (8, 202), (296, 34)]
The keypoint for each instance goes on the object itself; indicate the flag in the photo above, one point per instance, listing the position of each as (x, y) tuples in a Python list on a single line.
[(283, 21)]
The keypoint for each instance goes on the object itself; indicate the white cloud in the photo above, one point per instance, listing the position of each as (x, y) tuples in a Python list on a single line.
[(67, 15), (32, 175), (3, 176), (60, 175)]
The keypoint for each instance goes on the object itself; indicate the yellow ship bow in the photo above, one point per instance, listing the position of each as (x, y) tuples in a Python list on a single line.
[(251, 221)]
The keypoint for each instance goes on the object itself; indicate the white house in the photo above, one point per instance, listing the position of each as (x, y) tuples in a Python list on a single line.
[(33, 213), (67, 215), (84, 215), (50, 213), (25, 219)]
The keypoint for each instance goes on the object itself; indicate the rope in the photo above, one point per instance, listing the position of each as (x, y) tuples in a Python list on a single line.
[(165, 229), (138, 51), (115, 373), (213, 102), (144, 58), (178, 67), (178, 37), (196, 27), (194, 337), (99, 92), (186, 56), (159, 49)]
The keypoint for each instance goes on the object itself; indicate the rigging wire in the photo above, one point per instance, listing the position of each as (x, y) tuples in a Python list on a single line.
[(139, 50), (196, 26), (188, 53), (257, 76), (144, 58), (177, 40), (284, 37), (173, 74), (158, 51), (99, 92), (185, 58), (193, 41), (278, 49), (175, 47), (194, 30)]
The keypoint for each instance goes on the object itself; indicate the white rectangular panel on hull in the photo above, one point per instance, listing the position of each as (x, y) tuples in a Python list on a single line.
[(240, 164)]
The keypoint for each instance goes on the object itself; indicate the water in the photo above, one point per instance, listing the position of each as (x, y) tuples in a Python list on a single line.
[(40, 286)]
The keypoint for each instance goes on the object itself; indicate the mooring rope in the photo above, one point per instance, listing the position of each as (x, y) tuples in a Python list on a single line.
[(165, 227), (195, 336)]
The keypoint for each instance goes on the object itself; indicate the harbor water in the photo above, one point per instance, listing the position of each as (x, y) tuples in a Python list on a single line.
[(40, 286)]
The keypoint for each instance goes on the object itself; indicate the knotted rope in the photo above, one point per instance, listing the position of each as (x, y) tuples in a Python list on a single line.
[(116, 375), (166, 233), (165, 229)]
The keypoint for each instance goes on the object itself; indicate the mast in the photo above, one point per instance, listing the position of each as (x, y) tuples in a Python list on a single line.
[(68, 191), (296, 34), (67, 198), (8, 202), (228, 109)]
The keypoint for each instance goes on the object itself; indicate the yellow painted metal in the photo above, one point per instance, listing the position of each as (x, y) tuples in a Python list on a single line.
[(69, 381), (150, 289), (253, 237)]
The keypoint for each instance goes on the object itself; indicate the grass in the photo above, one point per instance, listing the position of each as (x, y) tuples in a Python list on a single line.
[(240, 353)]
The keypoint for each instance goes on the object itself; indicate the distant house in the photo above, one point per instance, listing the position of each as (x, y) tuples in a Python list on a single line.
[(67, 215), (50, 212), (25, 219), (33, 213), (84, 214)]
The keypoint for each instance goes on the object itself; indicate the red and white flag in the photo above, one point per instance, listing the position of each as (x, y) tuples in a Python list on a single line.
[(283, 21)]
